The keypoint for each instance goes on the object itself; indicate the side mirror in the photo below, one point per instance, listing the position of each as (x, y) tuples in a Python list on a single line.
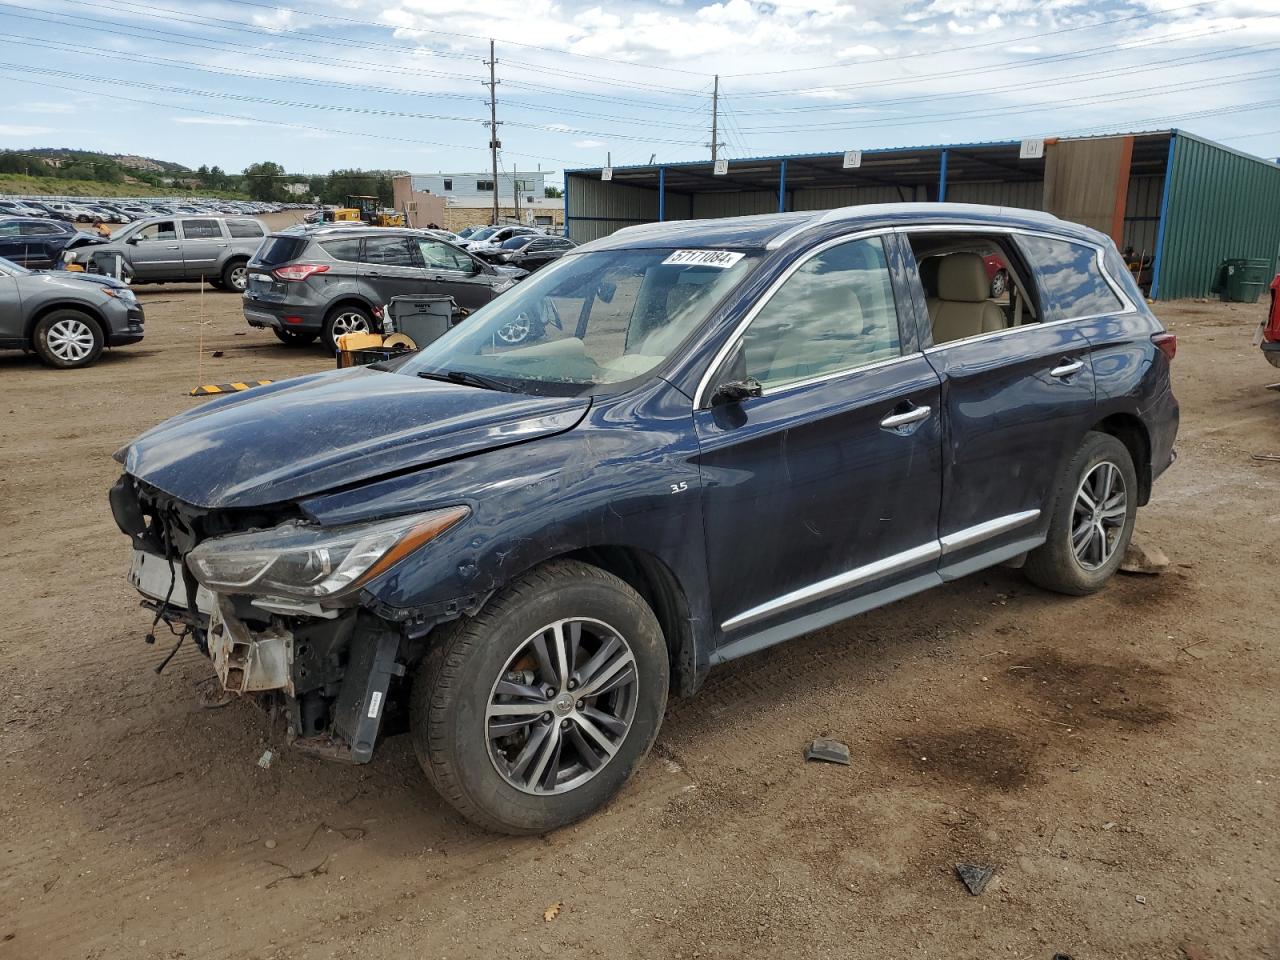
[(133, 239), (737, 390)]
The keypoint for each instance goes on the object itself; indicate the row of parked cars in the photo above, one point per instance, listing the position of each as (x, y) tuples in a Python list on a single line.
[(118, 210)]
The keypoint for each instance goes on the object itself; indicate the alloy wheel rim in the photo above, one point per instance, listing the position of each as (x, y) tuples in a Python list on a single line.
[(70, 340), (998, 285), (516, 330), (350, 323), (1100, 510), (561, 706), (239, 278)]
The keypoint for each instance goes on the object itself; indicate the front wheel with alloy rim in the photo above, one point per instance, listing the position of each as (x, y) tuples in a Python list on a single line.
[(1095, 507), (345, 319), (67, 339), (235, 277), (533, 713)]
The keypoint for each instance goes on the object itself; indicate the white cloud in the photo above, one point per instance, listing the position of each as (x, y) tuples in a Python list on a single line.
[(46, 107), (216, 121), (17, 130), (588, 144), (559, 127)]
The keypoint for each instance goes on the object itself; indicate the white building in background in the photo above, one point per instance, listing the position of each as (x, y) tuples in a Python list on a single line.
[(476, 189)]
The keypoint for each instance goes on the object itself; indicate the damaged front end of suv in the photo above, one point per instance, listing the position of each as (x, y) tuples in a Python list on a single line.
[(279, 604)]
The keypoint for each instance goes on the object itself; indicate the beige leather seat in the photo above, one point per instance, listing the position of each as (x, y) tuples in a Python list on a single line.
[(961, 308)]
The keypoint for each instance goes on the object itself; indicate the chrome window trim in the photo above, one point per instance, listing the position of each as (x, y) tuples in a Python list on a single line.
[(894, 563), (726, 348)]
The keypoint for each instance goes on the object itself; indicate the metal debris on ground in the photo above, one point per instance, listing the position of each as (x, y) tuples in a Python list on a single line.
[(827, 751), (1272, 457), (264, 761), (1140, 558), (974, 876)]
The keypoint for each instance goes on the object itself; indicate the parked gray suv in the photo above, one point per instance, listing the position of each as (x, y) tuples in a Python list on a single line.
[(184, 248), (66, 318), (324, 281)]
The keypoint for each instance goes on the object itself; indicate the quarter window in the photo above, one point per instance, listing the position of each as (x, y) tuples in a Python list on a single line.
[(836, 312), (201, 230), (1071, 279), (348, 250)]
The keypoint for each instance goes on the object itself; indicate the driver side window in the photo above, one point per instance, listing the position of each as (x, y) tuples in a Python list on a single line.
[(437, 255), (836, 312), (158, 231)]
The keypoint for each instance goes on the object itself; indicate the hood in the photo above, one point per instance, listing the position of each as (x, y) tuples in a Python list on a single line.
[(75, 279), (305, 436)]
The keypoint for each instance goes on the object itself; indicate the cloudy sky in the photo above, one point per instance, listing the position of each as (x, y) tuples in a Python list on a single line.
[(372, 83)]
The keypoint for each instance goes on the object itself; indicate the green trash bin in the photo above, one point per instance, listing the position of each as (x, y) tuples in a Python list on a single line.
[(1244, 280)]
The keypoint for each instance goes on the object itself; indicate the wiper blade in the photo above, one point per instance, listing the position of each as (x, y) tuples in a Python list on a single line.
[(468, 379)]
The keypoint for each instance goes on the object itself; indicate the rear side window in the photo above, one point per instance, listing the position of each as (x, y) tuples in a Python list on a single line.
[(244, 229), (201, 230), (348, 249), (389, 252), (1072, 282), (277, 250)]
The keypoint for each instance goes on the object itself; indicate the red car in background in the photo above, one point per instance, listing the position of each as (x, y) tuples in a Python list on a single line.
[(1268, 337), (997, 274)]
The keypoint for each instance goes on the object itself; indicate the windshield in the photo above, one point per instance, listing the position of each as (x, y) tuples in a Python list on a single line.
[(516, 242), (483, 234), (466, 233), (588, 320)]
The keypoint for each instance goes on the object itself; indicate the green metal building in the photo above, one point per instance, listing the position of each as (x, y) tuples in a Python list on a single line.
[(1177, 204)]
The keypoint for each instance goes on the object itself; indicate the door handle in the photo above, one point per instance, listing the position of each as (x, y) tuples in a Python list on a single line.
[(1067, 369), (895, 420)]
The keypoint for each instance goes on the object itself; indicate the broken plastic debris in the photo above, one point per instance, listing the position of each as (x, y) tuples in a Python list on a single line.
[(827, 751), (264, 761), (974, 876)]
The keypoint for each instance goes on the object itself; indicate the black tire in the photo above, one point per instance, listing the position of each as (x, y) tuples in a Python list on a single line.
[(453, 687), (345, 315), (67, 339), (1055, 565), (295, 338), (235, 277), (216, 284)]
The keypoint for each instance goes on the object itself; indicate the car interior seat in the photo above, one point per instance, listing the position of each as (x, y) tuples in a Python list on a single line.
[(962, 308)]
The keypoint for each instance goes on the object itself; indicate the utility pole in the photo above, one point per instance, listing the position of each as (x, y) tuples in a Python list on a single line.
[(494, 142), (715, 118)]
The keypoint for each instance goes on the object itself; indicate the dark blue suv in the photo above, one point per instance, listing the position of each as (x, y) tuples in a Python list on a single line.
[(715, 436)]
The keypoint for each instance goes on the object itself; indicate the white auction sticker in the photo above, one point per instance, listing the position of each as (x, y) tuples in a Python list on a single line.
[(375, 702), (705, 258)]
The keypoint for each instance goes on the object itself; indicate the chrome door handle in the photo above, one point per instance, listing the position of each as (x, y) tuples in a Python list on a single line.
[(1067, 369), (895, 420)]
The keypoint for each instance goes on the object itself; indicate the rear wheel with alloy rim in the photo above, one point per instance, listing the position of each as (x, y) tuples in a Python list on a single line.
[(235, 277), (533, 713), (1094, 512), (999, 283), (67, 339), (345, 319)]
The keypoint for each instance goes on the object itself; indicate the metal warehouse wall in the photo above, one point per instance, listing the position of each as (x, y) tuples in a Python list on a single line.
[(1024, 195), (599, 207), (1142, 214), (1221, 205)]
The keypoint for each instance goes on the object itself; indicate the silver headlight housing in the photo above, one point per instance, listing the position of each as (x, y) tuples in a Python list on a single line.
[(308, 562)]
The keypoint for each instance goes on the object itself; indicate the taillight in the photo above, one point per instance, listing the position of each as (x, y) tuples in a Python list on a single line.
[(299, 271), (1166, 343)]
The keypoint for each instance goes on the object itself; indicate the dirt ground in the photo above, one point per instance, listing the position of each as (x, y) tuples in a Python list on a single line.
[(1117, 757)]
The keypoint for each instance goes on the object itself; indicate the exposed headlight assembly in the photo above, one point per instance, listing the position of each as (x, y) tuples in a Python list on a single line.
[(314, 563)]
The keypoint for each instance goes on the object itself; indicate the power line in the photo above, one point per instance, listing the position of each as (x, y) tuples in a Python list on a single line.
[(272, 123)]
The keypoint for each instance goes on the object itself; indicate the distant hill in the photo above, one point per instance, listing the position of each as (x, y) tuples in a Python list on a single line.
[(128, 160)]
